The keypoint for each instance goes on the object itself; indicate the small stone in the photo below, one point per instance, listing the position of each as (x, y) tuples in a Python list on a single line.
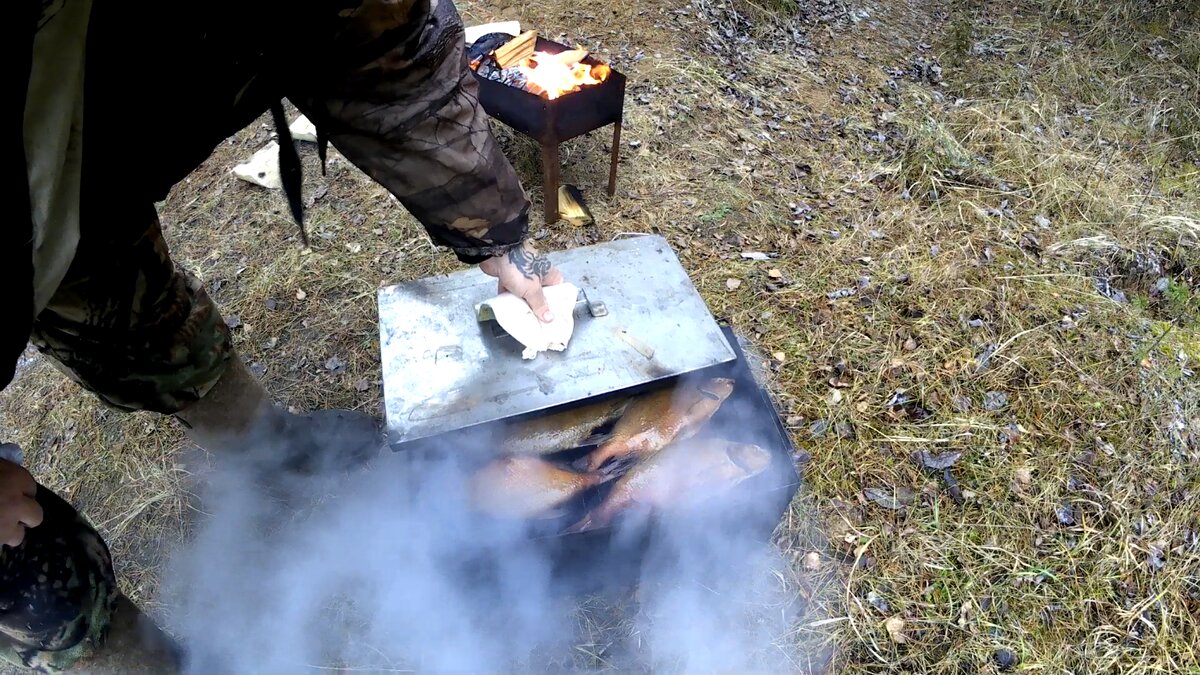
[(774, 273), (335, 365), (733, 284), (895, 630), (363, 384), (233, 321), (1023, 476), (812, 561), (258, 369), (1005, 660), (779, 356), (300, 294), (271, 304)]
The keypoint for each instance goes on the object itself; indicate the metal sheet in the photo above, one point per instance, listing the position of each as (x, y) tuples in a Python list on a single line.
[(444, 370)]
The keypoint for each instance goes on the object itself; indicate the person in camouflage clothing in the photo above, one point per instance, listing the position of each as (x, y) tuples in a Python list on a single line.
[(104, 91)]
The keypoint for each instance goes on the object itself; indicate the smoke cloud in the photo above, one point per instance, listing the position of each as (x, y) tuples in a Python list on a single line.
[(386, 570)]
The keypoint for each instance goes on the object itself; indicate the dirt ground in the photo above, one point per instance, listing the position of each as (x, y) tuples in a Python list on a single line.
[(981, 228)]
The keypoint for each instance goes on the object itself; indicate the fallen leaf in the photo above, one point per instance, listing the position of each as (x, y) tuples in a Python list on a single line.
[(774, 273), (1023, 476), (233, 321), (960, 403), (895, 499), (733, 284), (835, 396), (994, 400), (895, 630), (362, 384), (354, 247), (258, 369), (878, 602), (965, 613), (335, 365), (300, 294), (1157, 558), (937, 462), (1065, 514)]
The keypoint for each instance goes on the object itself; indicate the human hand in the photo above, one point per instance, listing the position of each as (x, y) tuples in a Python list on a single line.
[(18, 508), (523, 272)]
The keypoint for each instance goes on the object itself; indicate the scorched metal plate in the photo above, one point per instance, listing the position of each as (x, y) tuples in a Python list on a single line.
[(443, 369)]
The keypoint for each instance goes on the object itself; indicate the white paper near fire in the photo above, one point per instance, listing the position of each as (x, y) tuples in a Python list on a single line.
[(518, 320)]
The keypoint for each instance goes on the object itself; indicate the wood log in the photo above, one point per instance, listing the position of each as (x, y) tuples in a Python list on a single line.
[(572, 207), (517, 49)]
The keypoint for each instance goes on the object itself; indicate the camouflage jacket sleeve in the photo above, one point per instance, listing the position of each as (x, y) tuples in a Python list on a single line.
[(393, 93)]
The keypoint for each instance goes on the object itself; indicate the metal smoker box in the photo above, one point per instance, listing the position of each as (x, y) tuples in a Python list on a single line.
[(451, 380)]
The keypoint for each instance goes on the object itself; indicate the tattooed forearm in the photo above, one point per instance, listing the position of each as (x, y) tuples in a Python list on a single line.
[(531, 263)]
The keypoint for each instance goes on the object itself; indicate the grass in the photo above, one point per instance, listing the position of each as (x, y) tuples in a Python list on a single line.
[(986, 216)]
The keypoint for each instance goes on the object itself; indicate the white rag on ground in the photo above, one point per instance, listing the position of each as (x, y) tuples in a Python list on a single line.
[(518, 320), (303, 130), (263, 168)]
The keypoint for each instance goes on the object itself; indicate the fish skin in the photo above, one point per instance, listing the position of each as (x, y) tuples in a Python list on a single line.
[(559, 431), (526, 486), (660, 418), (678, 475)]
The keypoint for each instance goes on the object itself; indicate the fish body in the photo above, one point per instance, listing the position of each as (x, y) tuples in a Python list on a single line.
[(661, 418), (560, 431), (679, 475), (526, 487)]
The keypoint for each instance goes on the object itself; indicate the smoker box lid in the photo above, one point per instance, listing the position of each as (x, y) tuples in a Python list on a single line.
[(444, 369)]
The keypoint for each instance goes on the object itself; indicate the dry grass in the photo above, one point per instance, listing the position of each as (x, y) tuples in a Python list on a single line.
[(980, 220)]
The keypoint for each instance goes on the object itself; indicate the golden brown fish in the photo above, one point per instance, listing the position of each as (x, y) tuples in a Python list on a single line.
[(526, 487), (678, 475), (663, 417), (562, 430)]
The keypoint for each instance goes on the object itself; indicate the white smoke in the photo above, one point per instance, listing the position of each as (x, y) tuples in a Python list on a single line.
[(386, 570)]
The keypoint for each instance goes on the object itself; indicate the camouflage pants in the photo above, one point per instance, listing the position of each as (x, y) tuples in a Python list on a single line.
[(130, 326), (57, 590)]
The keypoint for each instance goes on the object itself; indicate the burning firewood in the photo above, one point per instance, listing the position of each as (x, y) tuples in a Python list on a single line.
[(572, 207), (516, 50)]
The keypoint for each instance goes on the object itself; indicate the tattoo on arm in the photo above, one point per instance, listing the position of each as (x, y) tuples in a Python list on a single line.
[(532, 264)]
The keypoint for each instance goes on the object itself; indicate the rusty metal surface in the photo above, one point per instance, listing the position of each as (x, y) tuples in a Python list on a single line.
[(444, 370)]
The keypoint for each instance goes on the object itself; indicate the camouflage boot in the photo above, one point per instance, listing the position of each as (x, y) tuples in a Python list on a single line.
[(60, 608), (133, 645)]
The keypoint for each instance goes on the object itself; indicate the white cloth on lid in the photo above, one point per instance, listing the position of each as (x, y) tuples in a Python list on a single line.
[(518, 320)]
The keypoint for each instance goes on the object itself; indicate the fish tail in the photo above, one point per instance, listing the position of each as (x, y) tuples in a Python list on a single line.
[(602, 454)]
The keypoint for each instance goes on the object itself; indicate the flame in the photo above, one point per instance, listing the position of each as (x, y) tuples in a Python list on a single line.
[(553, 75)]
